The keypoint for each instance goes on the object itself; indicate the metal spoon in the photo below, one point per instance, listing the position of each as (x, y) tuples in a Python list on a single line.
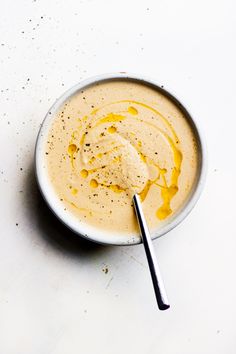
[(157, 281)]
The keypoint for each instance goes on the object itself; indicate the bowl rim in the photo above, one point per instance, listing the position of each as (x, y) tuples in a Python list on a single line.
[(85, 230)]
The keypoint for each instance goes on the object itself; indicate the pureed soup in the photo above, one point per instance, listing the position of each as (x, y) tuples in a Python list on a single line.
[(117, 138)]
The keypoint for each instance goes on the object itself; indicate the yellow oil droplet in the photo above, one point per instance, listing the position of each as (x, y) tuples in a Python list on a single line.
[(72, 148), (92, 159), (163, 212), (145, 190), (132, 110), (143, 157), (99, 155), (115, 188), (163, 171), (140, 143), (111, 117), (178, 157), (172, 190), (84, 173), (82, 139), (74, 191), (167, 194), (93, 183), (117, 159), (112, 130)]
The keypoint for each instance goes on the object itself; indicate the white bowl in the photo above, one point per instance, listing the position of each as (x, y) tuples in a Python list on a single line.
[(88, 231)]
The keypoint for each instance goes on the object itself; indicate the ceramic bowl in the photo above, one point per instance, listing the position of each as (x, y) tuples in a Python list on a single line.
[(88, 231)]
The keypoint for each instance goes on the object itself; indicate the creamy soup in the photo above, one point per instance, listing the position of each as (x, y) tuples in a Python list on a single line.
[(117, 138)]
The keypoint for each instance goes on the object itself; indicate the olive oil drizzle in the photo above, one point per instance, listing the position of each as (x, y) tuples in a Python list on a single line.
[(94, 120)]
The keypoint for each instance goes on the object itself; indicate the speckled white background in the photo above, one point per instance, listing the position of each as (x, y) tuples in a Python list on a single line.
[(54, 296)]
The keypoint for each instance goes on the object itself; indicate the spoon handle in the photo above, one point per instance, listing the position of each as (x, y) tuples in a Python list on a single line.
[(158, 284)]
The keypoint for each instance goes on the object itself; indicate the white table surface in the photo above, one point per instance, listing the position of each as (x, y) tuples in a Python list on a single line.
[(54, 296)]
